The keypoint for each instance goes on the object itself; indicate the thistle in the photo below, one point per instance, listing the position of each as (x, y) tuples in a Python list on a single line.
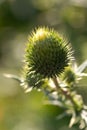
[(47, 53), (48, 57)]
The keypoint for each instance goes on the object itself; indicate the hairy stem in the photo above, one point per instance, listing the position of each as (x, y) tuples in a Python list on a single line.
[(66, 93)]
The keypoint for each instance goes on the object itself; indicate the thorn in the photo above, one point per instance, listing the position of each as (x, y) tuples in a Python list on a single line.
[(15, 77)]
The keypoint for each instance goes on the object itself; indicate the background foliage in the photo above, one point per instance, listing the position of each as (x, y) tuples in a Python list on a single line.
[(20, 111)]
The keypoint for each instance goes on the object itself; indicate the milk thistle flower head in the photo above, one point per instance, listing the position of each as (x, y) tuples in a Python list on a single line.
[(47, 53)]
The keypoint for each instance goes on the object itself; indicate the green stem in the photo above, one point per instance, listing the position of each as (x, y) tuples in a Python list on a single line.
[(66, 93)]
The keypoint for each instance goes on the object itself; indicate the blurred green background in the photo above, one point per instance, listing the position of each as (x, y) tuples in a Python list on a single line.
[(20, 111)]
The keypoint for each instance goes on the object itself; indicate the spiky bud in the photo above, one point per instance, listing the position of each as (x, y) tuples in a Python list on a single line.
[(69, 76), (47, 53)]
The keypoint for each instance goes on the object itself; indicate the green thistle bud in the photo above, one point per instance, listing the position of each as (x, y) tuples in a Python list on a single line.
[(69, 76), (47, 53)]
